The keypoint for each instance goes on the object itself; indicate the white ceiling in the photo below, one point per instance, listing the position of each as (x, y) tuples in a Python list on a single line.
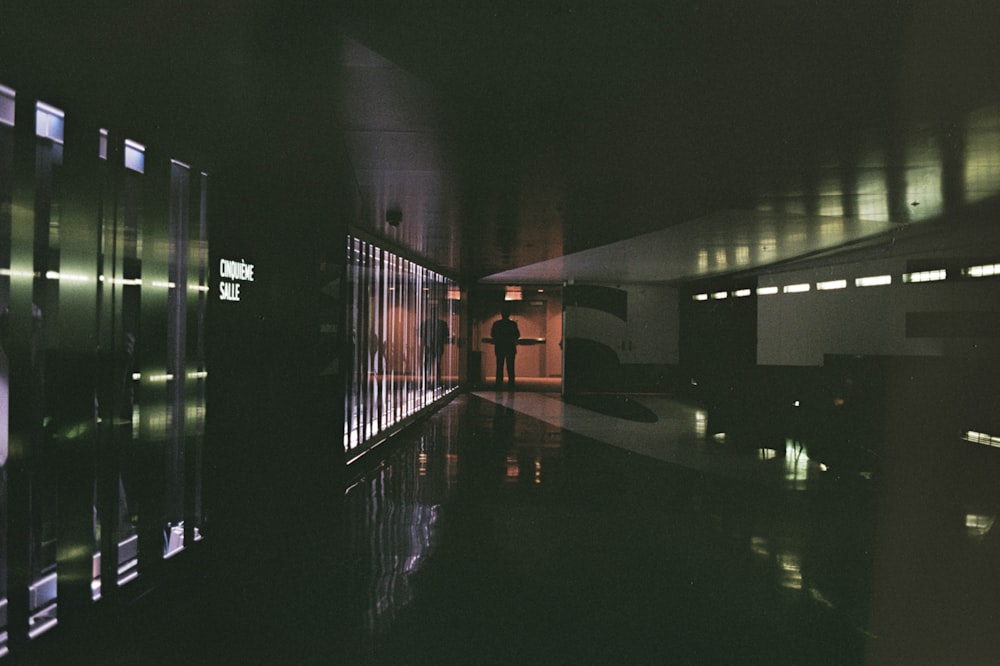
[(724, 242)]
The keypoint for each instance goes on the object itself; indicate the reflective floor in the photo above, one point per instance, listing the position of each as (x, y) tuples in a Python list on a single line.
[(512, 528), (521, 541)]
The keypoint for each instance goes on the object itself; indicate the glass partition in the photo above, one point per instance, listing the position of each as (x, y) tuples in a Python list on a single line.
[(6, 182), (404, 321), (50, 409), (103, 292)]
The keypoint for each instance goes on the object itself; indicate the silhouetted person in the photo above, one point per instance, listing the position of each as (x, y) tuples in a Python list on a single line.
[(505, 335), (434, 334)]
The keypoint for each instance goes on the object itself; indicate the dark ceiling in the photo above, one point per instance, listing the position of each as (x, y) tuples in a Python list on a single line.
[(591, 123), (543, 128)]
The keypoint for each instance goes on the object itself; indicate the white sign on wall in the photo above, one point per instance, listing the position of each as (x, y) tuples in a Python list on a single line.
[(233, 273)]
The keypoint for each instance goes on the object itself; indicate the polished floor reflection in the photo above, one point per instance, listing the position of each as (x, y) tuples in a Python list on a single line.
[(525, 540), (512, 528), (547, 545)]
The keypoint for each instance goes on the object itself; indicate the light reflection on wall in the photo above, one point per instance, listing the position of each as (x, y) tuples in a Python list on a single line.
[(931, 168), (981, 174)]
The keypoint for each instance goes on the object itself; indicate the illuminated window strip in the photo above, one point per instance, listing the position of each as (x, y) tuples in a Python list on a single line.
[(700, 297), (986, 270), (982, 438), (742, 293), (873, 281), (766, 291), (796, 288), (926, 276), (720, 295), (831, 285)]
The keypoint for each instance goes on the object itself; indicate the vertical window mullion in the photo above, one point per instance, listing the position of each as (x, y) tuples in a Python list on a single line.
[(369, 358), (399, 393), (404, 288), (383, 366)]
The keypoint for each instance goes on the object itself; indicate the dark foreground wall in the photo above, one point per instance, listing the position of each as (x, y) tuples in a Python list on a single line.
[(153, 399)]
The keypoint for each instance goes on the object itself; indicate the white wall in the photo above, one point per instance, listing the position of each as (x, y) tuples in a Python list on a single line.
[(798, 329), (651, 334)]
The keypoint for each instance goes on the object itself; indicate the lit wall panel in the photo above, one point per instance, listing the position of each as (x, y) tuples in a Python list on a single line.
[(403, 320)]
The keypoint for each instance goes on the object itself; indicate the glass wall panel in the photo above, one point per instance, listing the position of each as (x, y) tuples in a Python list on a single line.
[(402, 344), (48, 410), (196, 374), (127, 239), (176, 360), (6, 188), (103, 290)]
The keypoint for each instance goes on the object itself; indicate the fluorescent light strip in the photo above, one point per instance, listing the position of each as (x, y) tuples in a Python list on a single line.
[(166, 285), (831, 285), (926, 276), (742, 293), (796, 288), (700, 297), (873, 281), (982, 438), (161, 378), (720, 295), (766, 291), (986, 270)]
